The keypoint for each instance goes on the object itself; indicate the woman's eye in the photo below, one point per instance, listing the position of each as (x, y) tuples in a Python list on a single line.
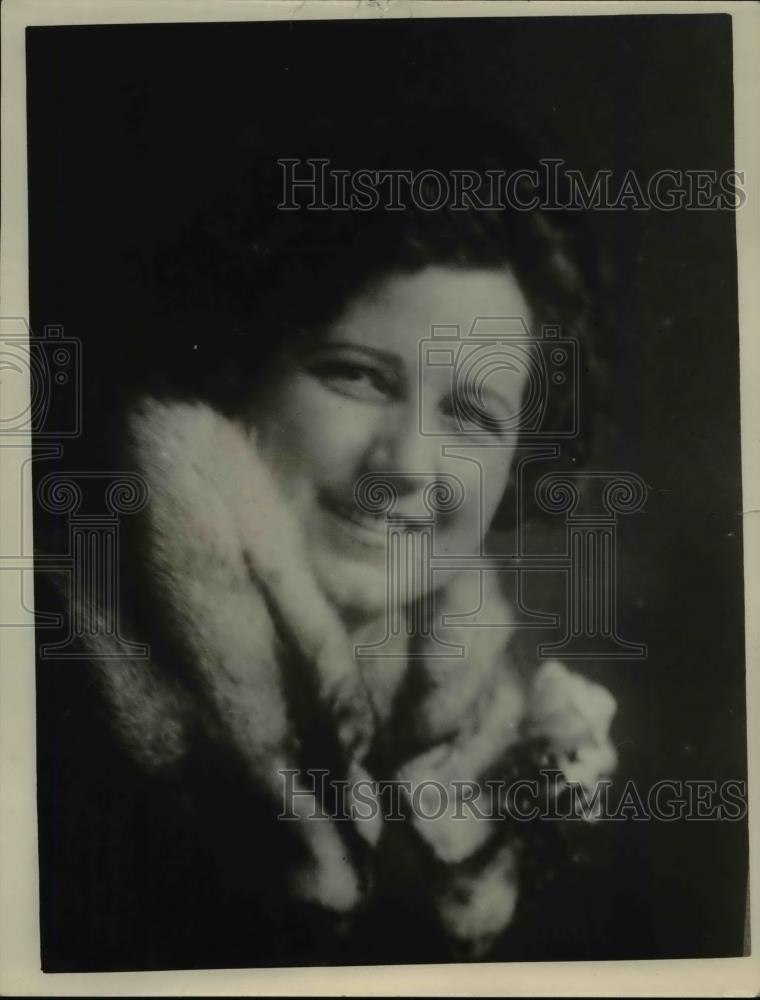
[(465, 417), (352, 379)]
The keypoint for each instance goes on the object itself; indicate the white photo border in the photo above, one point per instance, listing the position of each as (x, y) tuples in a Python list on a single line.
[(19, 909)]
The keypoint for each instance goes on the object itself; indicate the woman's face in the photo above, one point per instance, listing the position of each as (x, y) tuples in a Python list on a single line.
[(364, 399)]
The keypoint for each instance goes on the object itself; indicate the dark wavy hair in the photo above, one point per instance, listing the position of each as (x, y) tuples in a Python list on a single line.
[(246, 274)]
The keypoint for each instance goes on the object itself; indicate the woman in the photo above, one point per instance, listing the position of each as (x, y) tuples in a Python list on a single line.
[(286, 388)]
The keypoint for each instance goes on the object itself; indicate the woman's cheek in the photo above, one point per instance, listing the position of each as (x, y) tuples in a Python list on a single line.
[(497, 469), (484, 486), (323, 432)]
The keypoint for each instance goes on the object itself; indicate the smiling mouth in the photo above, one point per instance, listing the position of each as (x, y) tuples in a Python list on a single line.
[(371, 529)]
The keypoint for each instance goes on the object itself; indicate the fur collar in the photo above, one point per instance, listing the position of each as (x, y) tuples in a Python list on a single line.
[(224, 563)]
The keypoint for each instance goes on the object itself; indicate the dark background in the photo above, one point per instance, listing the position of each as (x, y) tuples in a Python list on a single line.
[(132, 127)]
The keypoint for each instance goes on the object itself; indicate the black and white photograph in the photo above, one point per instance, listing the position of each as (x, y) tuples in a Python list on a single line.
[(386, 578)]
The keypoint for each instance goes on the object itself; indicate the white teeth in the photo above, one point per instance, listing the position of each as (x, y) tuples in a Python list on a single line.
[(369, 522), (375, 524)]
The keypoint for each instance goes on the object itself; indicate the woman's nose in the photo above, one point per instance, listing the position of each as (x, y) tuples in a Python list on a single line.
[(402, 451), (408, 469)]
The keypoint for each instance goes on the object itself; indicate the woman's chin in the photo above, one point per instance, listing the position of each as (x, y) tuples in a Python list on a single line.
[(358, 589)]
